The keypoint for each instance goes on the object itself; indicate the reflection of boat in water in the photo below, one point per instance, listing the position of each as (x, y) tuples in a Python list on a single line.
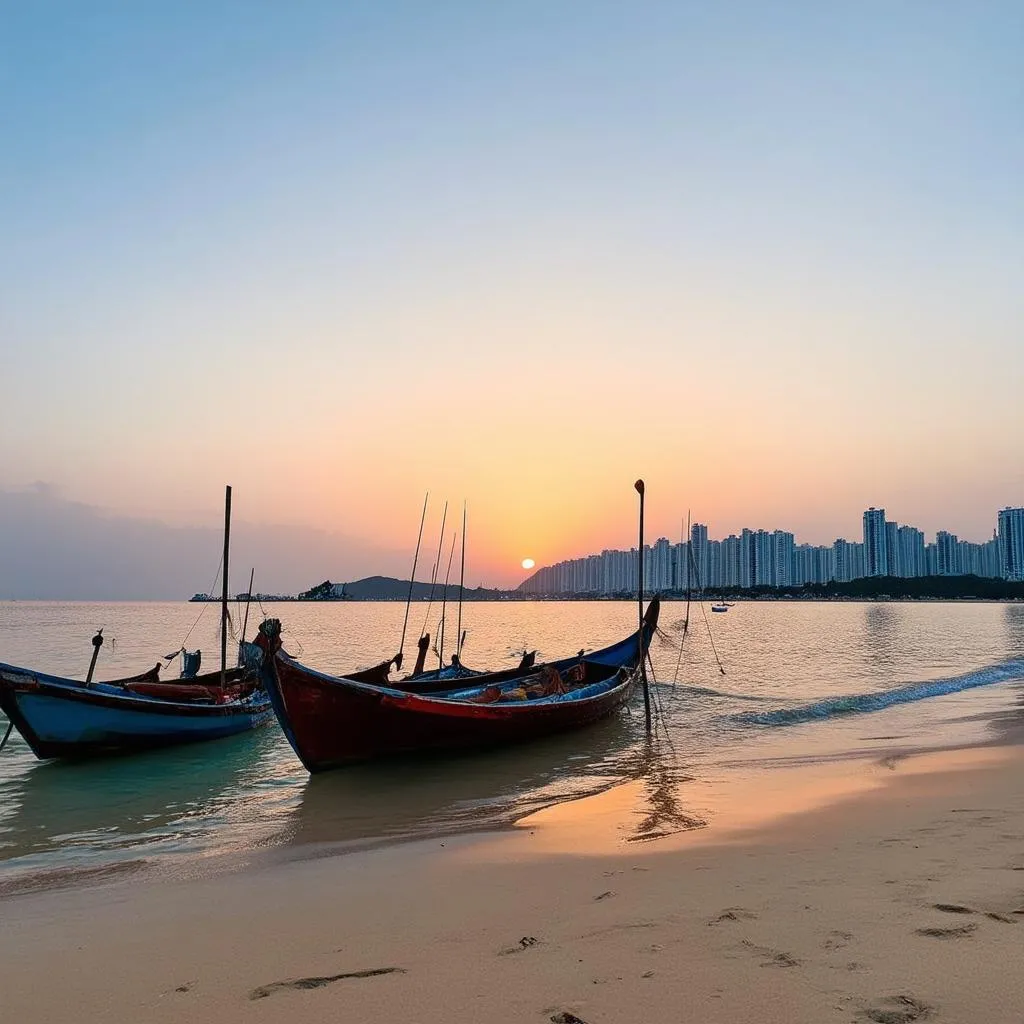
[(333, 720), (57, 814), (416, 796)]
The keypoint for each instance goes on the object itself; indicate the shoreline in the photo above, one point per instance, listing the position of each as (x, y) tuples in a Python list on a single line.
[(819, 892)]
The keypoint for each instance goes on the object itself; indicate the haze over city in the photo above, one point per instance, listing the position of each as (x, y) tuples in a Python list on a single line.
[(768, 258)]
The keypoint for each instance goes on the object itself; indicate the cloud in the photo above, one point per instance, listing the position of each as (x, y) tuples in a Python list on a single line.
[(55, 549)]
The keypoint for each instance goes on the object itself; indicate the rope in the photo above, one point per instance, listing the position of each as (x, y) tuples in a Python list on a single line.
[(679, 660), (7, 735), (700, 589), (202, 611), (659, 707), (721, 667)]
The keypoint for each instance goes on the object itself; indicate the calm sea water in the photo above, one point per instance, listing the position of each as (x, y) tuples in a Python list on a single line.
[(802, 681)]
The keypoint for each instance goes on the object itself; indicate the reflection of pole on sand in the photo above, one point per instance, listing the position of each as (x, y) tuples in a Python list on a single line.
[(662, 813)]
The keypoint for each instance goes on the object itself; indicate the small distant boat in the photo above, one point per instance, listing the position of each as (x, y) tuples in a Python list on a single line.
[(334, 720), (720, 607)]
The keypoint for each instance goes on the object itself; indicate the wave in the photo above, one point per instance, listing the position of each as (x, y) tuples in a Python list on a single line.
[(706, 691), (859, 703)]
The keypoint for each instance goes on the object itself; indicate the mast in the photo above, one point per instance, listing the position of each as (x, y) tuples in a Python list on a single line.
[(689, 570), (412, 580), (444, 602), (248, 601), (462, 586), (433, 575), (224, 590), (639, 485)]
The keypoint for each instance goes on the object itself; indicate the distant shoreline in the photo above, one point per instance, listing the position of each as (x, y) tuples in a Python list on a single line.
[(873, 588)]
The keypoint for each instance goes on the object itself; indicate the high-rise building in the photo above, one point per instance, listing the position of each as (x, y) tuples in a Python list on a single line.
[(892, 549), (910, 542), (947, 549), (1011, 543), (747, 558), (782, 558), (858, 561), (661, 565), (875, 553), (699, 551), (731, 561), (764, 559), (841, 568)]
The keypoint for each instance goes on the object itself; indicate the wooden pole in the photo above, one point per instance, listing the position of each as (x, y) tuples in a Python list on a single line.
[(97, 643), (444, 603), (433, 575), (248, 601), (639, 485), (460, 638), (412, 581), (224, 591), (689, 572)]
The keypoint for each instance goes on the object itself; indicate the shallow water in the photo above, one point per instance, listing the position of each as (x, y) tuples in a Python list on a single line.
[(803, 682)]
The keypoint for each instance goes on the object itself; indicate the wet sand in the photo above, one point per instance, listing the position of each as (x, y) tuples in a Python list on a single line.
[(887, 891)]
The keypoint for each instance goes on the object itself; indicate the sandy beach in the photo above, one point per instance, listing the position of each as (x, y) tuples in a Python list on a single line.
[(884, 890)]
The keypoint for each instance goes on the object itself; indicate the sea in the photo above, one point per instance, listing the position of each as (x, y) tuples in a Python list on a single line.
[(766, 685)]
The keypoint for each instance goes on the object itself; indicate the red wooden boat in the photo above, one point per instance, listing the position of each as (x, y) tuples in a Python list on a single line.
[(333, 720)]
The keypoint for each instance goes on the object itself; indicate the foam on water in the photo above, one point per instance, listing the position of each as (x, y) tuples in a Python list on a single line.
[(859, 703)]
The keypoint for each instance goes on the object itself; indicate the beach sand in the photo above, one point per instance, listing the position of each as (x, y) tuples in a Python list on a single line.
[(887, 891)]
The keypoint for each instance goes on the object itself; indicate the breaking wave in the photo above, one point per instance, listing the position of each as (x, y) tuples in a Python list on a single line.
[(858, 703)]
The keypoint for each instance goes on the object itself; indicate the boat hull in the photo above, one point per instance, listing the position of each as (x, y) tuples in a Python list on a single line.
[(63, 718), (332, 721), (330, 725)]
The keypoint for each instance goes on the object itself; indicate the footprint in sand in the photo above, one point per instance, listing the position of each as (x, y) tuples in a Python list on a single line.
[(948, 933), (773, 957), (898, 1010), (734, 914), (566, 1018), (952, 908), (318, 982), (526, 942), (838, 940)]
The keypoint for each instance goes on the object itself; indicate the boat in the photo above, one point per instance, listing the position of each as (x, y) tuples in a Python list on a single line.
[(61, 717), (332, 721), (719, 607)]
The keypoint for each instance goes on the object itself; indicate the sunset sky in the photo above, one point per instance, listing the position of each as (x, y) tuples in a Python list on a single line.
[(767, 256)]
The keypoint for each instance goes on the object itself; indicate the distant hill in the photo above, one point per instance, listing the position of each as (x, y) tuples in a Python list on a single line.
[(387, 588)]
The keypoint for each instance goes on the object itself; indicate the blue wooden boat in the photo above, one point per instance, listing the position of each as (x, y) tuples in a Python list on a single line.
[(61, 717)]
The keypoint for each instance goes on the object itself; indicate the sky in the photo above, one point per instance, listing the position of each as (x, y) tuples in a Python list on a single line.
[(766, 256)]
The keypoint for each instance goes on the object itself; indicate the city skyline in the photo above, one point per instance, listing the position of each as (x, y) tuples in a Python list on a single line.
[(773, 558)]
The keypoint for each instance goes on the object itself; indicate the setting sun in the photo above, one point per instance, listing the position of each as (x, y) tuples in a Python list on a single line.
[(528, 563)]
